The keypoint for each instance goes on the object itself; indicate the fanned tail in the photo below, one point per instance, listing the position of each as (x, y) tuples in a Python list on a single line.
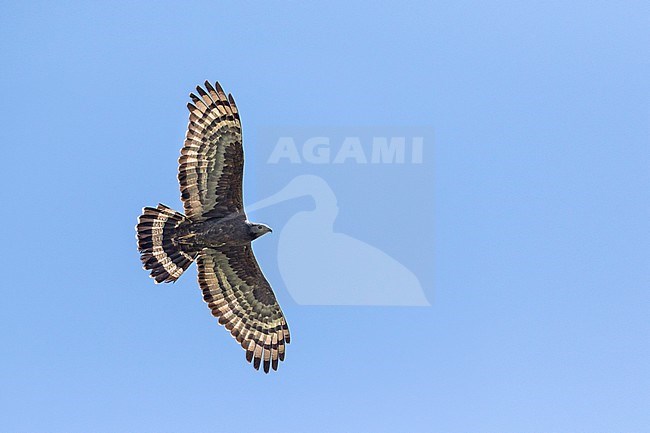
[(155, 229)]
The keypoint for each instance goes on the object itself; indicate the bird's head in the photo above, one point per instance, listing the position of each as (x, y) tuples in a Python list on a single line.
[(258, 230)]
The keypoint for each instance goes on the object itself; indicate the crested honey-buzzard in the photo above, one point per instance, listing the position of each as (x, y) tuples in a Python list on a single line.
[(215, 231)]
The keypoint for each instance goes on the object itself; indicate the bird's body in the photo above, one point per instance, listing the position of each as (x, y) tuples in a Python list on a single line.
[(215, 233)]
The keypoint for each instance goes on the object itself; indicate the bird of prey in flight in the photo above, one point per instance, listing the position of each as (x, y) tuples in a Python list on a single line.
[(215, 232)]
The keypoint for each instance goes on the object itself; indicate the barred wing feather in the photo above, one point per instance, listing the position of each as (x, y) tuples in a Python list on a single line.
[(239, 295), (212, 159)]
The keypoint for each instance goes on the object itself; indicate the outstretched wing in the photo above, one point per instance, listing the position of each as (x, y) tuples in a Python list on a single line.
[(212, 160), (240, 297)]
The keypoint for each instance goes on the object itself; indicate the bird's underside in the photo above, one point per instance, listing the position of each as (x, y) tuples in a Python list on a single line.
[(215, 233), (212, 233)]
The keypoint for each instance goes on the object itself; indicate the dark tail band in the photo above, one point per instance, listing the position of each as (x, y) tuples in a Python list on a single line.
[(155, 229)]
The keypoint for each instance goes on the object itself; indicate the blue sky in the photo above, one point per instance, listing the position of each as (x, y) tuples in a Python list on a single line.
[(536, 199)]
